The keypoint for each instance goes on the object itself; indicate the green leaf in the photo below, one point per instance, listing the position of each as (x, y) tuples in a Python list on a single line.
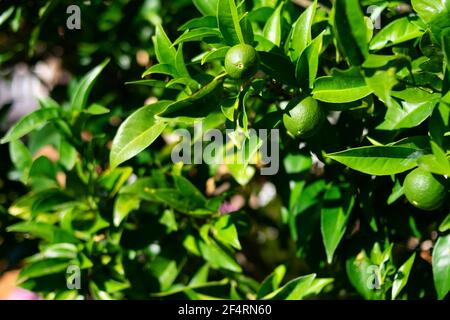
[(207, 7), (30, 122), (6, 14), (96, 109), (445, 225), (397, 192), (300, 36), (189, 190), (351, 30), (203, 22), (217, 257), (361, 273), (295, 289), (439, 123), (436, 162), (382, 82), (44, 268), (123, 206), (226, 232), (441, 266), (278, 67), (273, 28), (308, 64), (378, 160), (53, 251), (84, 87), (335, 212), (429, 9), (229, 22), (200, 277), (271, 282), (48, 232), (197, 35), (165, 270), (341, 87), (197, 105), (401, 278), (178, 201), (21, 158), (164, 50), (409, 115), (136, 133), (163, 68), (217, 54), (398, 31)]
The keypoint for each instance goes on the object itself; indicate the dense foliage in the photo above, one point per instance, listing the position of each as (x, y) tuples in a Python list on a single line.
[(358, 109)]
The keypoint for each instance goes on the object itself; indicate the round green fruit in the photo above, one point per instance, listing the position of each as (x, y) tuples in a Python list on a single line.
[(241, 61), (303, 119), (424, 190)]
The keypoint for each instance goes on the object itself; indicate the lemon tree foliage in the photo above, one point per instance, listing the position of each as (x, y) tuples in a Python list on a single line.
[(363, 115)]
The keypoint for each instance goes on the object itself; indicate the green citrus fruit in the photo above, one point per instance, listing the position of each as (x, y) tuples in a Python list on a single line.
[(303, 118), (241, 61), (424, 190)]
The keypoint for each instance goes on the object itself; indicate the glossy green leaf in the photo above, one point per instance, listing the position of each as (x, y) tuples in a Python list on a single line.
[(335, 212), (409, 115), (429, 9), (165, 52), (295, 289), (229, 22), (396, 32), (30, 122), (203, 22), (136, 133), (84, 87), (445, 225), (341, 87), (379, 161), (217, 257), (44, 268), (362, 275), (218, 54), (351, 30), (123, 206), (271, 282), (273, 27), (308, 64), (401, 278), (21, 158), (300, 35), (206, 7), (163, 68), (197, 35), (441, 266), (437, 162), (194, 105), (226, 232)]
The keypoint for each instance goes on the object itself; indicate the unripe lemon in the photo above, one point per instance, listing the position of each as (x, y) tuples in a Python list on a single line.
[(241, 61), (424, 190), (303, 119)]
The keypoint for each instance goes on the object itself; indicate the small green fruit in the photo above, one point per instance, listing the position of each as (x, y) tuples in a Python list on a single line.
[(241, 61), (303, 119), (424, 190)]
